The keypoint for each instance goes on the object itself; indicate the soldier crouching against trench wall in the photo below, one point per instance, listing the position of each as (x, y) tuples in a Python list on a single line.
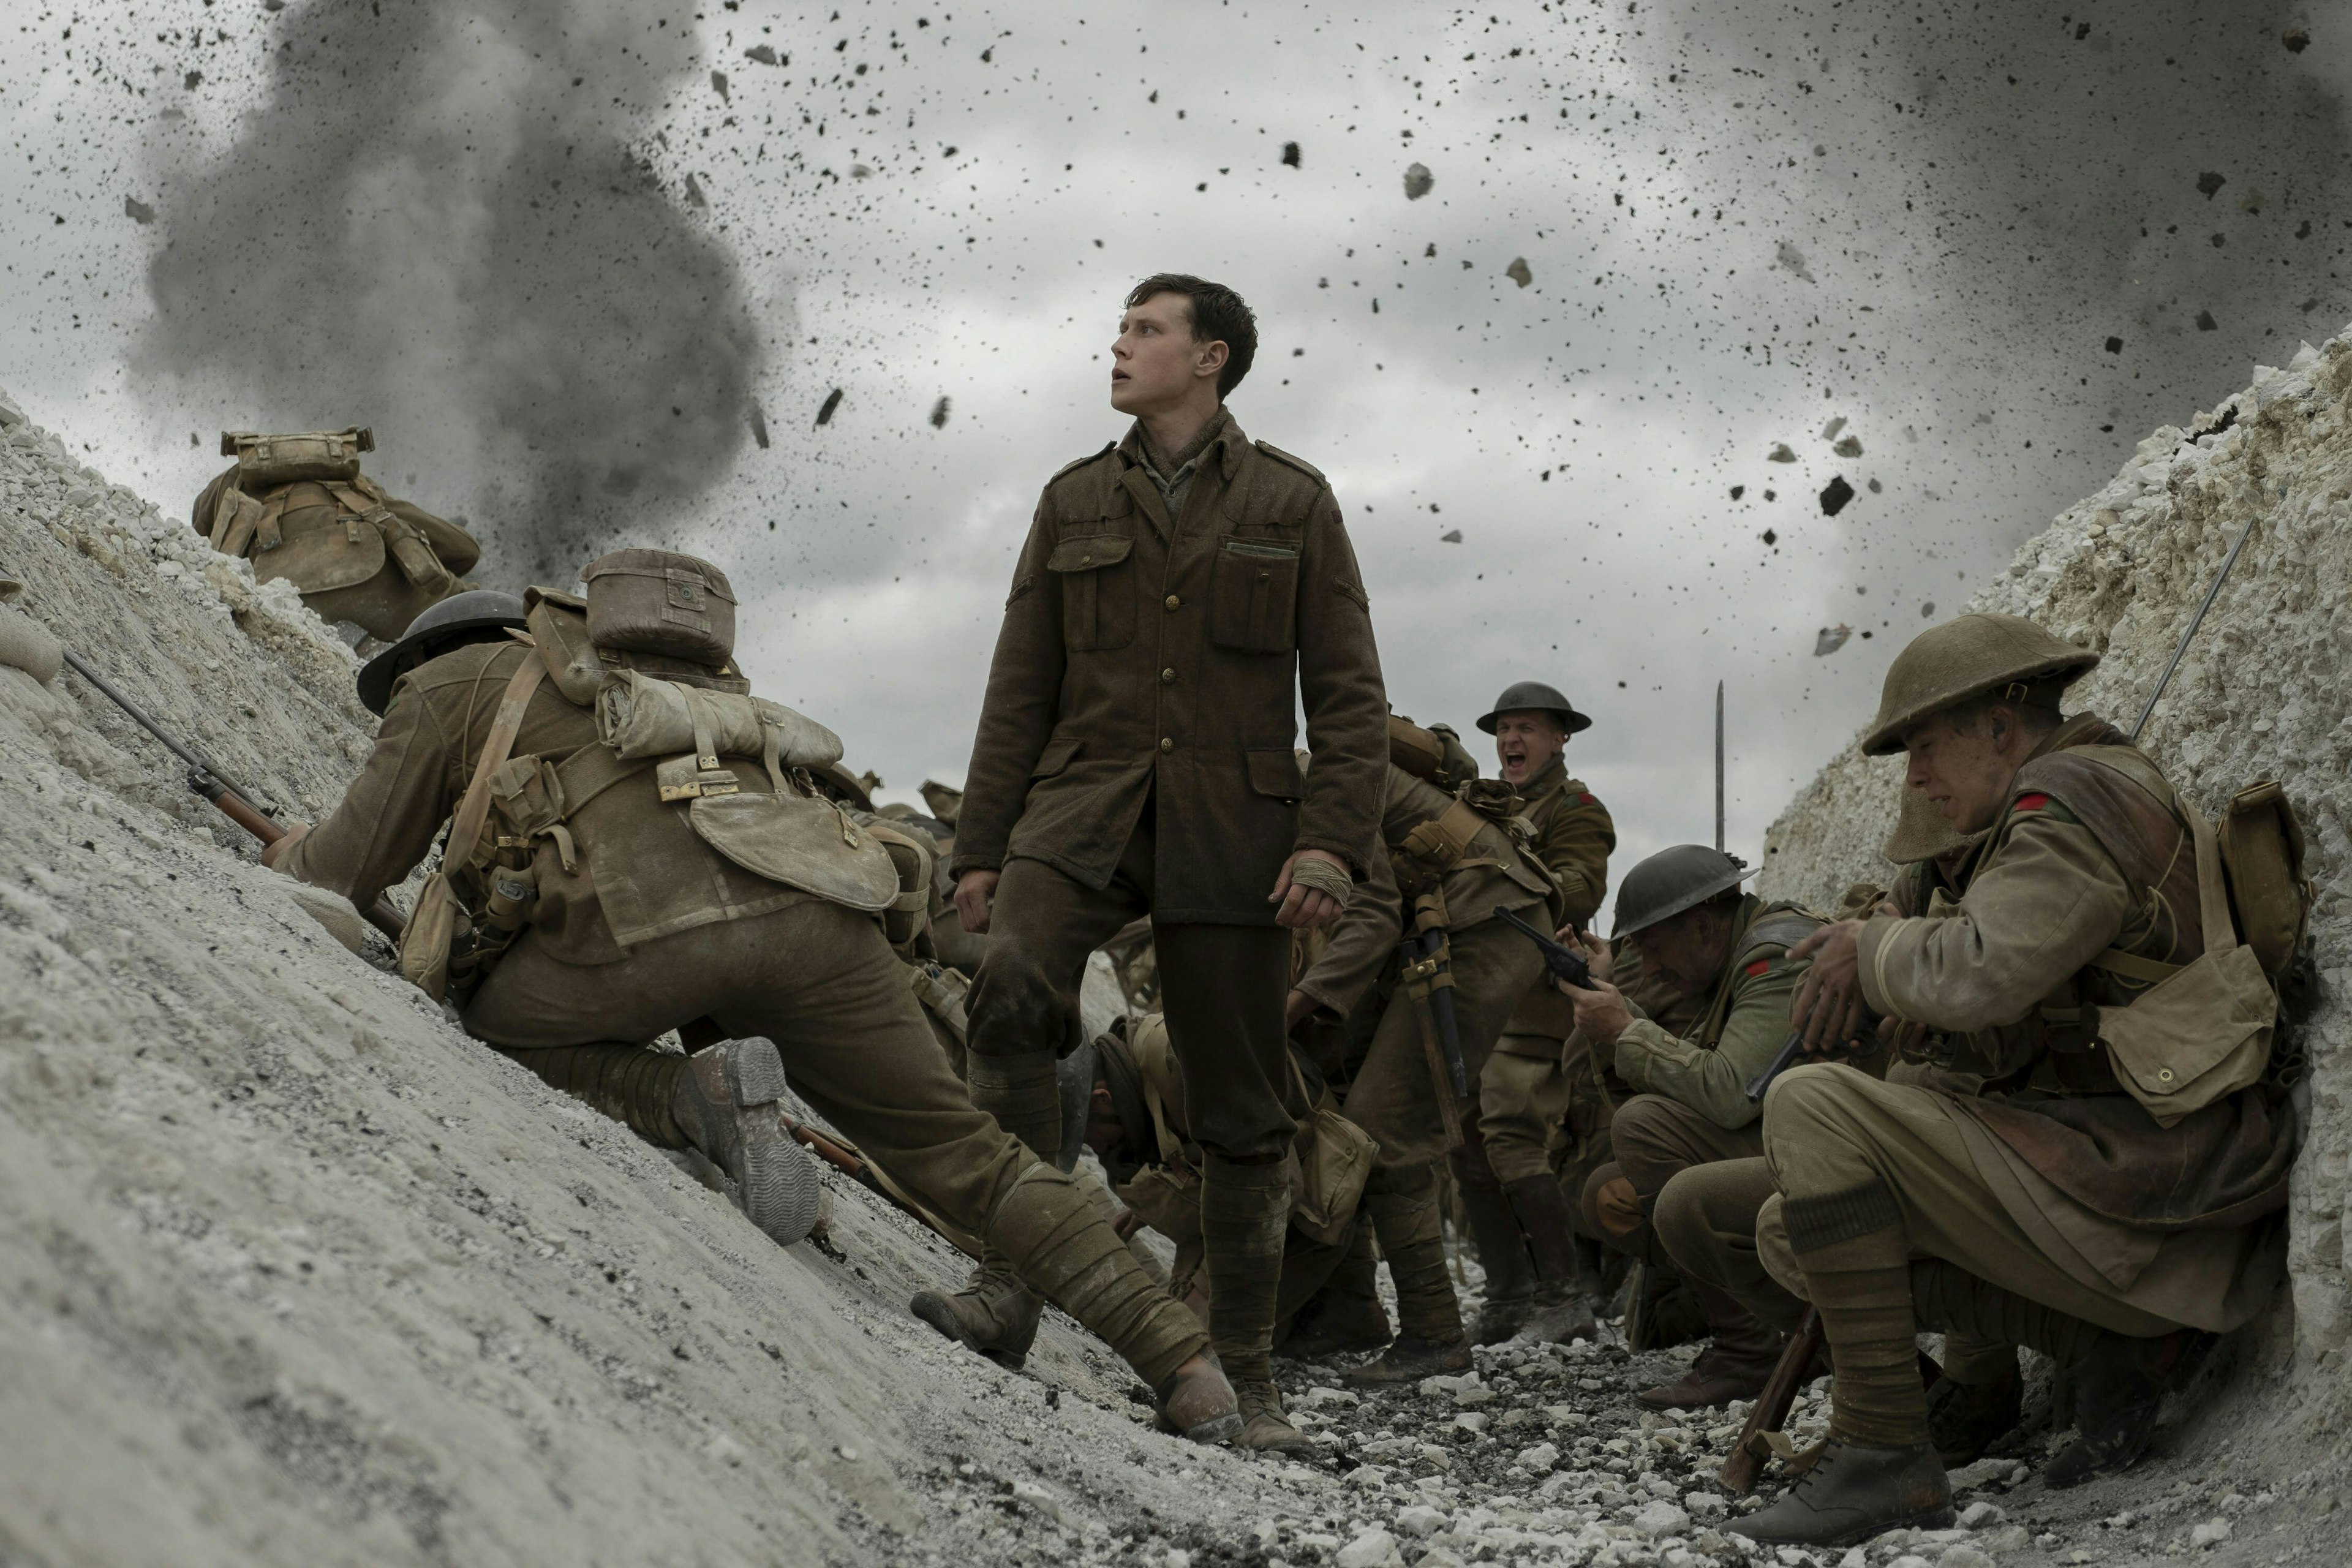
[(636, 847), (298, 507), (1178, 592), (1447, 863), (1520, 1214), (1697, 932), (2112, 1193)]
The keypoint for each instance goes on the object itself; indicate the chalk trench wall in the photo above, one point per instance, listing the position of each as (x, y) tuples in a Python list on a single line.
[(2265, 691)]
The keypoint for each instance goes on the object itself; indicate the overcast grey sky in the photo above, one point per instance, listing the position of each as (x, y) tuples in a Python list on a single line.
[(2001, 245)]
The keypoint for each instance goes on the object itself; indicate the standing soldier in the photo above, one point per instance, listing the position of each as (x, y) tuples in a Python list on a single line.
[(1517, 1205), (2114, 1193), (1698, 934), (1179, 593), (635, 848)]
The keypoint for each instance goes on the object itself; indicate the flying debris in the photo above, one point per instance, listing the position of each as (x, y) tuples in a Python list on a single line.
[(1781, 453), (939, 412), (2210, 181), (137, 211), (1290, 154), (1450, 536), (1517, 271), (1829, 639), (759, 428), (1792, 259), (719, 86), (1849, 447), (1834, 495), (765, 56), (825, 415), (694, 192), (1830, 431), (2296, 40), (1417, 181)]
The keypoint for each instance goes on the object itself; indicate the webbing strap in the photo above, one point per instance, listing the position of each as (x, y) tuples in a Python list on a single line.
[(466, 829), (2132, 966)]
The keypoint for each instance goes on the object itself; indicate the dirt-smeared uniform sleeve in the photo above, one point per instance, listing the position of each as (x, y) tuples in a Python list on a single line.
[(1024, 680), (384, 827), (2052, 901), (1341, 693), (1577, 841), (1715, 1082)]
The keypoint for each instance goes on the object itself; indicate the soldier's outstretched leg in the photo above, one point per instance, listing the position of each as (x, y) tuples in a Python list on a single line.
[(722, 1101), (1022, 1010), (821, 982)]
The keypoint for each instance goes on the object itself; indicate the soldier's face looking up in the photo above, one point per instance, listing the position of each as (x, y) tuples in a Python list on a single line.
[(1964, 766), (1526, 739), (1156, 366), (1686, 950)]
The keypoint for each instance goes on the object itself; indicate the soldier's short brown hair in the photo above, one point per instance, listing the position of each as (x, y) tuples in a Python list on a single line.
[(1218, 316)]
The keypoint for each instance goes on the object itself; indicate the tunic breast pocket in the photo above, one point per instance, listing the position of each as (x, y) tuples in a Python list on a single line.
[(1253, 596), (1098, 591)]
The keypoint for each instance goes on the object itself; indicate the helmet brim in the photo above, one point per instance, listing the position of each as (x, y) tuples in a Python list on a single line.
[(1569, 718), (378, 675)]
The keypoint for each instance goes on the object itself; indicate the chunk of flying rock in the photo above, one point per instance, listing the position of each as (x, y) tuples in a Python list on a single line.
[(1834, 495), (1517, 271), (1450, 536), (1781, 452), (1849, 447), (1417, 181), (1829, 639)]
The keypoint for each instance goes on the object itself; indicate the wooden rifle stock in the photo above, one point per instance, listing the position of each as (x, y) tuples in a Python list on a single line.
[(1740, 1471), (206, 779)]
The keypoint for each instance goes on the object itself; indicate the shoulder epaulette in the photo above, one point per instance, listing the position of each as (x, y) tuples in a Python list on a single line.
[(1301, 464), (1076, 463)]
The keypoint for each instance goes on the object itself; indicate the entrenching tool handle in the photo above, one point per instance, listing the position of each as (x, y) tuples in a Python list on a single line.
[(1564, 962), (1740, 1471)]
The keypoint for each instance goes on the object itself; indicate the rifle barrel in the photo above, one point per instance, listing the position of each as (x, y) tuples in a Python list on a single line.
[(141, 717), (2195, 621)]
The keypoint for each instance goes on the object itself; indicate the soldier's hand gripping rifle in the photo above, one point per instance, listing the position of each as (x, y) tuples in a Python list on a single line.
[(206, 779)]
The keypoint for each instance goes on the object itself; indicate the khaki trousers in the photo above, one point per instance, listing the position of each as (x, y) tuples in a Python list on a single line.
[(1655, 1140), (1830, 1130), (1705, 1221), (1222, 987), (1523, 1098), (821, 983), (1393, 1097)]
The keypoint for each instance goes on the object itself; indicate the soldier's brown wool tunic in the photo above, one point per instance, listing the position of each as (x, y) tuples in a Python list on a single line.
[(1149, 658), (2077, 1163)]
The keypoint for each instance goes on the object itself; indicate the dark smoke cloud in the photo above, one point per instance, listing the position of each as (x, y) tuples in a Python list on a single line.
[(435, 222)]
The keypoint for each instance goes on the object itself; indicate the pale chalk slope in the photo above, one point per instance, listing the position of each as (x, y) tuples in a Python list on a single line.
[(292, 1272)]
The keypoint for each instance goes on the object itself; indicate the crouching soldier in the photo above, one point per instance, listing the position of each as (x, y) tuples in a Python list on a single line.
[(637, 847), (1137, 1122), (1699, 936), (1446, 864), (2114, 1191), (299, 508)]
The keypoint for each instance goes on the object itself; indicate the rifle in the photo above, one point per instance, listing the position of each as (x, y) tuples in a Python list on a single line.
[(1563, 962), (1740, 1472), (206, 779), (2194, 622), (862, 1170)]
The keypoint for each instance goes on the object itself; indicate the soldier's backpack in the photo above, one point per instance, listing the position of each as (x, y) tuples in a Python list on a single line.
[(298, 507)]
